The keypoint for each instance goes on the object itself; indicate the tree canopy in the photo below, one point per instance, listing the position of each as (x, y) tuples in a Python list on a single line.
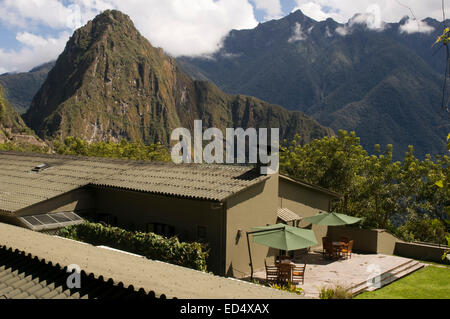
[(401, 196)]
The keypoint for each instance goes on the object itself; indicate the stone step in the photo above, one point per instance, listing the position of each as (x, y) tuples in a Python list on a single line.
[(364, 286), (388, 276)]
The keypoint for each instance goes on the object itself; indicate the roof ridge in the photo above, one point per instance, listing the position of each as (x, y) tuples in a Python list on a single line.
[(121, 160)]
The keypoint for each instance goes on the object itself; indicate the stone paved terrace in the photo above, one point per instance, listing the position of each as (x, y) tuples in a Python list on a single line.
[(350, 273)]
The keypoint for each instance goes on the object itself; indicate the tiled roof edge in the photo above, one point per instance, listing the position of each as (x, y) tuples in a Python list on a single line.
[(311, 186)]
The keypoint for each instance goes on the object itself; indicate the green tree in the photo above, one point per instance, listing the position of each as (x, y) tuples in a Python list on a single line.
[(123, 149), (385, 193)]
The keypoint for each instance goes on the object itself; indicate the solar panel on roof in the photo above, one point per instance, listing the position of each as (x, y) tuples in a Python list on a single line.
[(31, 220), (45, 219), (61, 218), (51, 221), (72, 216)]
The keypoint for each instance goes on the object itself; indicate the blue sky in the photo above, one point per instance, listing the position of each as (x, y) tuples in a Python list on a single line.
[(33, 32), (286, 6)]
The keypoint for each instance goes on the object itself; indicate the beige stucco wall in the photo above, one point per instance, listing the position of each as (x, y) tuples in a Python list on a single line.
[(420, 251), (80, 200), (135, 210), (364, 240), (386, 242), (374, 241), (257, 206), (304, 202)]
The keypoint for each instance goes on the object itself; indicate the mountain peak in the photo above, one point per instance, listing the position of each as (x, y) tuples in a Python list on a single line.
[(108, 21), (111, 84), (297, 13), (112, 17)]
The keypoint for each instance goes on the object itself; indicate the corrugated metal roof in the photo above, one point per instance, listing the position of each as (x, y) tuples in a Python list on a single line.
[(26, 277), (287, 215), (21, 187), (147, 276)]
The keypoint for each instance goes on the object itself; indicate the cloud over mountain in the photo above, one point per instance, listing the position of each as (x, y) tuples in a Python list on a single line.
[(195, 27), (180, 27)]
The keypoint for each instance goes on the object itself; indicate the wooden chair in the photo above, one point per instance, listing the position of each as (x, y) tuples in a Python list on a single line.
[(329, 250), (346, 250), (271, 273), (284, 273), (324, 241), (298, 274)]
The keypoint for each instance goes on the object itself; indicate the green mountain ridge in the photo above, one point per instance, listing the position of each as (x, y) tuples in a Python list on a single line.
[(21, 87), (10, 120), (384, 84), (12, 127), (110, 83)]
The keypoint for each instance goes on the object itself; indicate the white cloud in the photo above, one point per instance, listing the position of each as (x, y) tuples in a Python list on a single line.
[(51, 13), (371, 18), (194, 27), (180, 27), (343, 31), (314, 11), (35, 51), (271, 7), (390, 10), (415, 26), (298, 34)]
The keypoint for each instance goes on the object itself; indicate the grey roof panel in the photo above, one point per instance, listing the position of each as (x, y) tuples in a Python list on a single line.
[(21, 187), (154, 277), (25, 277)]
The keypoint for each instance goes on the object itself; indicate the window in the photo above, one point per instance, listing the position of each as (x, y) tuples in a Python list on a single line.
[(161, 229), (107, 219)]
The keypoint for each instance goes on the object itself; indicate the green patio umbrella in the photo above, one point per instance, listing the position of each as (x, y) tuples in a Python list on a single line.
[(332, 219), (284, 237)]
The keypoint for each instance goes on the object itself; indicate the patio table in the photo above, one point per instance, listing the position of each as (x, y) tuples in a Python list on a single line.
[(338, 243), (285, 271), (337, 246)]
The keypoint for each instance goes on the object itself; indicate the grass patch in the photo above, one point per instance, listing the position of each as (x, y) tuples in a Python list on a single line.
[(428, 283), (446, 265)]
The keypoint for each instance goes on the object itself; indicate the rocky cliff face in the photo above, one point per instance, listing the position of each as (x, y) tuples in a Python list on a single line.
[(110, 83), (12, 127)]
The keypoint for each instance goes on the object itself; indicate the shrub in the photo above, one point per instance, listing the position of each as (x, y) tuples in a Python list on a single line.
[(123, 149), (424, 230), (337, 292), (289, 288), (152, 246)]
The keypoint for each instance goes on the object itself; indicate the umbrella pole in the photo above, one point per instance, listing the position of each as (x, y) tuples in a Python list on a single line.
[(248, 244), (250, 255)]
